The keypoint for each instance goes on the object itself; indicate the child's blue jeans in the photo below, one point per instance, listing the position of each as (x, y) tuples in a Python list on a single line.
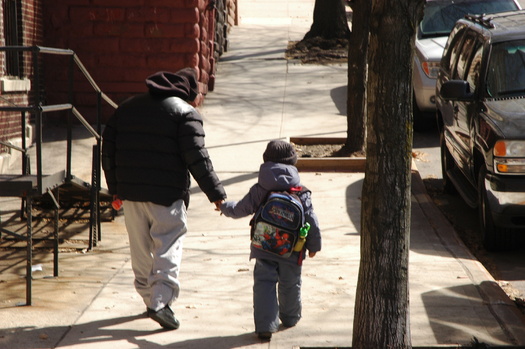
[(276, 294)]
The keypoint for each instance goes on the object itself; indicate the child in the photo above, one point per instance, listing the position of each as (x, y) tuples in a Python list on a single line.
[(277, 173)]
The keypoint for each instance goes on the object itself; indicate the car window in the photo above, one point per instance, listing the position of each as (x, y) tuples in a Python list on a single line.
[(475, 67), (464, 56), (506, 70), (452, 48), (440, 16)]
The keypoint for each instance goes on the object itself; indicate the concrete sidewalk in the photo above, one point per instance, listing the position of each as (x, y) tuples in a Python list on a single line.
[(258, 96)]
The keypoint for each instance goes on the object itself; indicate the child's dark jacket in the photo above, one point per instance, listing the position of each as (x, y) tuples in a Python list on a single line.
[(276, 177)]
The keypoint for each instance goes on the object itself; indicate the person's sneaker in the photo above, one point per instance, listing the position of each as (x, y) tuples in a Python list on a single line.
[(265, 336), (165, 317)]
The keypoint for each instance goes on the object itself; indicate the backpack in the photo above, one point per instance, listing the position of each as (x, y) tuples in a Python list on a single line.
[(276, 223)]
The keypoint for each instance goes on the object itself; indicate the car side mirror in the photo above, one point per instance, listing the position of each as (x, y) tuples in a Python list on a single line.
[(456, 90)]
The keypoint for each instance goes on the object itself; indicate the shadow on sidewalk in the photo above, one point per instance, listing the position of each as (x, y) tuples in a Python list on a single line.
[(109, 332), (339, 96), (231, 181), (226, 342), (353, 206), (449, 309)]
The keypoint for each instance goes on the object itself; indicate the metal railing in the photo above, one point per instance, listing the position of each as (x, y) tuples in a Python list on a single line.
[(37, 109)]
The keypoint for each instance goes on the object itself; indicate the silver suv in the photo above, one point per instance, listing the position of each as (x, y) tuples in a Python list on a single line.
[(438, 20)]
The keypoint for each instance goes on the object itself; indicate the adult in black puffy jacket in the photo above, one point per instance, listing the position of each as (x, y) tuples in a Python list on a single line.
[(150, 146)]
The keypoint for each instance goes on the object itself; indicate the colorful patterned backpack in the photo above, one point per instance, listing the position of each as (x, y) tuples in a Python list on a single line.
[(276, 225)]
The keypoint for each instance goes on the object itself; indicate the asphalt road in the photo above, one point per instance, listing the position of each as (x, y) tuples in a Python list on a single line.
[(506, 267)]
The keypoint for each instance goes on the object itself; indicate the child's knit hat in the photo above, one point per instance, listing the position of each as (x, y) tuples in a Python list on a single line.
[(280, 151)]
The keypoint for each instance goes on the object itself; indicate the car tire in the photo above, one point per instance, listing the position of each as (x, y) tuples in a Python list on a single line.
[(447, 163), (494, 238)]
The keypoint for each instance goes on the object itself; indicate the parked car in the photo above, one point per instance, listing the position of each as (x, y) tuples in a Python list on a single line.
[(480, 98), (438, 20)]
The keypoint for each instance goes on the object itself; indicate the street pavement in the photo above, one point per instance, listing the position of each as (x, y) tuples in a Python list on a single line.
[(258, 96)]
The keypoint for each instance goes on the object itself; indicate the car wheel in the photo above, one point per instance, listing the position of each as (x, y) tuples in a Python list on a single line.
[(447, 163), (494, 238)]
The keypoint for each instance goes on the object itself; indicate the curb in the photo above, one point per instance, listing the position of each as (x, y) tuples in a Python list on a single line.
[(327, 164), (510, 318)]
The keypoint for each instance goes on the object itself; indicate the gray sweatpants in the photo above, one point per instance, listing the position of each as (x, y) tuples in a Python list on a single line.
[(156, 234), (276, 294)]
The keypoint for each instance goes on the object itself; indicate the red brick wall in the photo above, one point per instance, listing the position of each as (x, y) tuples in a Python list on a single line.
[(32, 33), (122, 42)]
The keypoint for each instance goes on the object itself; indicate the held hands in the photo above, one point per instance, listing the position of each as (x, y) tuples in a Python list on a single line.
[(218, 205)]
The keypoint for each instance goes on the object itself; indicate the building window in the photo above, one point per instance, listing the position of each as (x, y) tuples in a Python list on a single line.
[(13, 37)]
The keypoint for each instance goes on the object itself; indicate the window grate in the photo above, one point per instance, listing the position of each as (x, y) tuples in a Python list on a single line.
[(13, 36)]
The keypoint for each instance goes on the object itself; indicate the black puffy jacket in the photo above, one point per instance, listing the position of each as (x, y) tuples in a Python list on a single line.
[(151, 145)]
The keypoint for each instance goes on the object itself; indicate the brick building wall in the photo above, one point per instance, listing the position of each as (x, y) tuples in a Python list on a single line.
[(121, 43), (14, 90)]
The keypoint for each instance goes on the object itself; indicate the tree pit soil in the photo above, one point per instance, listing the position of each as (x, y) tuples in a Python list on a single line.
[(318, 51), (324, 151), (335, 150)]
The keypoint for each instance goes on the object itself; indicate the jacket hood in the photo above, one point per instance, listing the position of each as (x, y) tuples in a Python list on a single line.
[(182, 84), (278, 176)]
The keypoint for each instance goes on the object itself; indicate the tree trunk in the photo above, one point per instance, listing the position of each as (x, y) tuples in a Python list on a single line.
[(381, 318), (330, 21), (357, 77)]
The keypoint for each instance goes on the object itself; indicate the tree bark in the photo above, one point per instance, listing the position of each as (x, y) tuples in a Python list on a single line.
[(357, 77), (329, 21), (381, 318)]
